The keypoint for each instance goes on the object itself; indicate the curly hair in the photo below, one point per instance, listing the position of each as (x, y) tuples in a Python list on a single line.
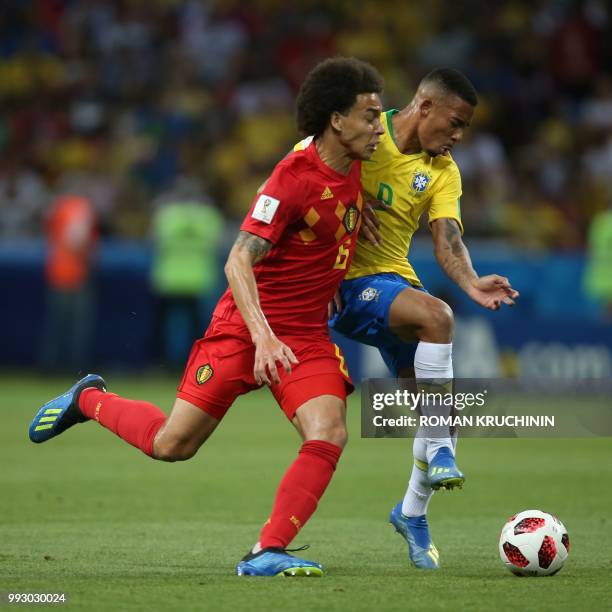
[(332, 86)]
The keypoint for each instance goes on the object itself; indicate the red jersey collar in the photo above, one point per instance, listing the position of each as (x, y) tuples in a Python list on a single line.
[(311, 151)]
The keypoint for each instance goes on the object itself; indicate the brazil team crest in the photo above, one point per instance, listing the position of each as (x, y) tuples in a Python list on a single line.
[(369, 295), (420, 182), (351, 216), (204, 374)]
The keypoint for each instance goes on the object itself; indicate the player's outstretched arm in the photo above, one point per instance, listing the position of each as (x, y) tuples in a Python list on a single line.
[(489, 291), (246, 252)]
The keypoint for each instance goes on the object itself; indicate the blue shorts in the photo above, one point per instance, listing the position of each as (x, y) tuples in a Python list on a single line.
[(365, 316)]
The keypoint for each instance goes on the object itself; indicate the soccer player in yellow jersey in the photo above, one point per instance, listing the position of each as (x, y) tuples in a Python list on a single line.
[(384, 303)]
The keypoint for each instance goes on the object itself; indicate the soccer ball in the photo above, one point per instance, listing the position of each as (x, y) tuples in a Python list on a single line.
[(534, 543)]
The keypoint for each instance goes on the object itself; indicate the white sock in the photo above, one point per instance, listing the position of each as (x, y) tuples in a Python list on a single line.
[(419, 492), (432, 360)]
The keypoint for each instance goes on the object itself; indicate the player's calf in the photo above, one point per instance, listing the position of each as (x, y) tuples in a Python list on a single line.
[(174, 449)]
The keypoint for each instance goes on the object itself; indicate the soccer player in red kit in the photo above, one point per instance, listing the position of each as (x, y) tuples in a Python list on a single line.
[(292, 251)]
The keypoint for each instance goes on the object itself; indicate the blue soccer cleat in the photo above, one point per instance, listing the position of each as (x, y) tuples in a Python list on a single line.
[(415, 530), (62, 412), (276, 562), (443, 472)]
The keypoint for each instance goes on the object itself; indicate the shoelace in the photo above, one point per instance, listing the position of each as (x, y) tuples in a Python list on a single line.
[(288, 550), (274, 549)]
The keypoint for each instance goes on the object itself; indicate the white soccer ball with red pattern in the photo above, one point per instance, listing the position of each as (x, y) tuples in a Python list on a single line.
[(534, 543)]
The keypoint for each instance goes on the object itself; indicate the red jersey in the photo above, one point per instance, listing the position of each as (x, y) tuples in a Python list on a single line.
[(311, 214)]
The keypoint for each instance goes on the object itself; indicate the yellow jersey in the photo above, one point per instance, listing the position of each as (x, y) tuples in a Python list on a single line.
[(408, 185)]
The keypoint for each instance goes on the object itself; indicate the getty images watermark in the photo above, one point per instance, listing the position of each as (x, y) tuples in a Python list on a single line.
[(486, 408)]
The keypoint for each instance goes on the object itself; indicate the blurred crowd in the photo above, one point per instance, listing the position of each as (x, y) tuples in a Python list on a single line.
[(124, 102)]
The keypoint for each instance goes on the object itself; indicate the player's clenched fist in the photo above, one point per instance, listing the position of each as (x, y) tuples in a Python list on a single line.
[(268, 350)]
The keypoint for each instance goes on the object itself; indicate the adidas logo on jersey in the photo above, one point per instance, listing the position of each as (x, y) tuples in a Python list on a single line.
[(327, 194)]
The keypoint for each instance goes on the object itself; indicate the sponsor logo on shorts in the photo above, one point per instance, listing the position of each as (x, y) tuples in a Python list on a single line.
[(204, 374), (369, 295)]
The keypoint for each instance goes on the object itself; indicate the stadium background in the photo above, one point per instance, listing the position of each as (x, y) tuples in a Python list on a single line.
[(132, 103), (128, 102)]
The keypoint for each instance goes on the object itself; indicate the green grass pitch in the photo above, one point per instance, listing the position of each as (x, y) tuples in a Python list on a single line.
[(88, 515)]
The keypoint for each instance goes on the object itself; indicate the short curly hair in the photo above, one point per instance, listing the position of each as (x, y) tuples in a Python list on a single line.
[(332, 86)]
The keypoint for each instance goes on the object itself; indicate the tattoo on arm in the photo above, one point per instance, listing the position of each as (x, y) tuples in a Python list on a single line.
[(453, 237), (452, 254), (256, 246), (247, 251)]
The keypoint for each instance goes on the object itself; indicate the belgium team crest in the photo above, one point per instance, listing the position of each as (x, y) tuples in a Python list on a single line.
[(351, 216), (204, 374)]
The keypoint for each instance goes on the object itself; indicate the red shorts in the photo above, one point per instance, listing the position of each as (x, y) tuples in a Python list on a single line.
[(220, 368)]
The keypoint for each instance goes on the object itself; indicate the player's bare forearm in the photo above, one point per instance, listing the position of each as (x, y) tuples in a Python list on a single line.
[(489, 291), (452, 254), (246, 252)]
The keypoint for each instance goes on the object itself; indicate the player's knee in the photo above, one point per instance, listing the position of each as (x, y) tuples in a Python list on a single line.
[(340, 437), (174, 450), (442, 321), (334, 434)]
